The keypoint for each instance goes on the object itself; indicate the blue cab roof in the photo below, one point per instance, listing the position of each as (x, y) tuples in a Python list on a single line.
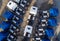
[(3, 35), (7, 15), (53, 12), (4, 25), (49, 32), (52, 22)]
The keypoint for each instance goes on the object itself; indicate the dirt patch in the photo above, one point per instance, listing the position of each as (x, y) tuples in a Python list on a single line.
[(4, 3)]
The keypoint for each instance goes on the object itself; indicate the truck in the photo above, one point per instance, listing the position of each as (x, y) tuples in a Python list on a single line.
[(53, 12), (49, 32), (27, 32), (20, 11), (17, 20), (7, 15), (32, 15), (11, 37), (4, 25), (3, 35), (52, 22)]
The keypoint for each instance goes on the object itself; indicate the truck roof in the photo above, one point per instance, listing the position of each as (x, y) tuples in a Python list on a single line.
[(28, 29), (11, 5), (33, 10)]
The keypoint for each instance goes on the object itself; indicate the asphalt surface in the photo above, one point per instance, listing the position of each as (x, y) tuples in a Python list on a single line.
[(57, 2), (39, 2), (0, 3)]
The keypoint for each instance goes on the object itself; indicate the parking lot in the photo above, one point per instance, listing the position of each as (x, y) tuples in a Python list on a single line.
[(38, 4)]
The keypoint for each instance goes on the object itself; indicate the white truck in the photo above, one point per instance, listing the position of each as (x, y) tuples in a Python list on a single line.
[(33, 12), (12, 5), (15, 8), (28, 30), (27, 33)]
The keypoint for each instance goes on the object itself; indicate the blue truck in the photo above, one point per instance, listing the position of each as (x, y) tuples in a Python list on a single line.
[(52, 22), (3, 36), (8, 15), (53, 12), (17, 20), (4, 25), (49, 32), (45, 39), (12, 17)]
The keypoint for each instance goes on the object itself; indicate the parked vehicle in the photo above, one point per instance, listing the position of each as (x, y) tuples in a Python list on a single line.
[(11, 37), (53, 12), (33, 10), (52, 22), (31, 17), (12, 5), (8, 15), (20, 11), (28, 31), (45, 14), (17, 20), (44, 22), (3, 35), (14, 32), (49, 32), (41, 32), (4, 26)]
